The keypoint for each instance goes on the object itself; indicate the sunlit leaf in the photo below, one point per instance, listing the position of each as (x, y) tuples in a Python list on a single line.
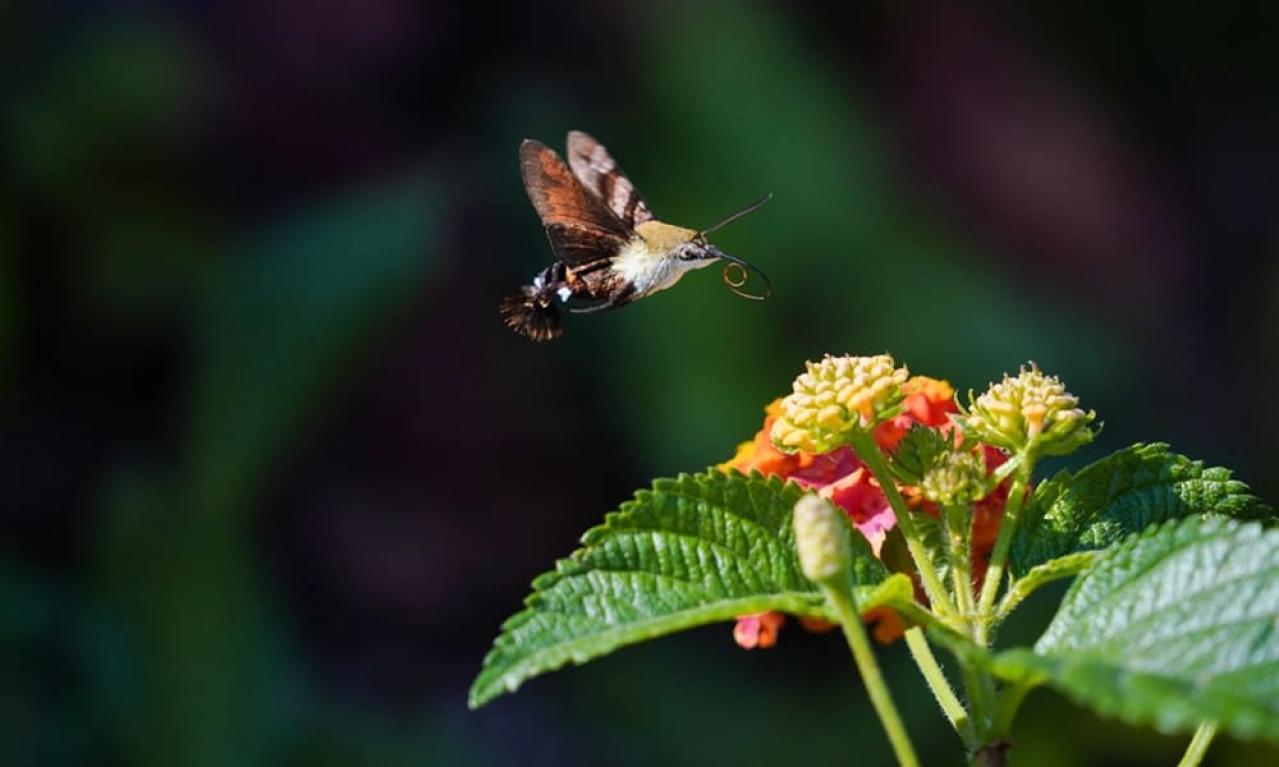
[(690, 551), (1173, 627), (1122, 494)]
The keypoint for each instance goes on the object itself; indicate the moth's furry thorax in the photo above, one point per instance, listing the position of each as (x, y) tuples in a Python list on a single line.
[(649, 261), (663, 237)]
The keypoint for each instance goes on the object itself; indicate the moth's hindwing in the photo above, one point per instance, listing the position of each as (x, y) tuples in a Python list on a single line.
[(581, 229), (600, 174)]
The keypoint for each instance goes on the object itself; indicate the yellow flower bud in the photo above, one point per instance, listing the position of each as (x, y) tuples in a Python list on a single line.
[(834, 396), (954, 479), (821, 537), (1032, 411)]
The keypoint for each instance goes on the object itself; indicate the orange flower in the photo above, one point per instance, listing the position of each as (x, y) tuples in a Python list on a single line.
[(987, 514), (888, 624), (839, 475), (928, 401), (759, 452), (987, 511), (842, 478)]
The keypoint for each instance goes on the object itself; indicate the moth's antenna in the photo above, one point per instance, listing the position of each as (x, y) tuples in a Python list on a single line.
[(754, 206)]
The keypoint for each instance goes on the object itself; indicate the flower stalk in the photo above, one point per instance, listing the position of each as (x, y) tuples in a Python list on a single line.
[(870, 455), (864, 403), (951, 707), (1198, 745), (821, 537), (957, 520), (999, 556), (844, 604)]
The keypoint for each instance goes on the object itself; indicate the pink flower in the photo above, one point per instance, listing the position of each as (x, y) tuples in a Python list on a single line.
[(758, 630), (841, 477)]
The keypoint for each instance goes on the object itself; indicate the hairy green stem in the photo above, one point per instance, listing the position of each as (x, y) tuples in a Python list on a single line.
[(955, 712), (1006, 709), (981, 697), (1198, 745), (957, 522), (1012, 599), (839, 594), (999, 557), (1020, 589), (866, 449), (1005, 469)]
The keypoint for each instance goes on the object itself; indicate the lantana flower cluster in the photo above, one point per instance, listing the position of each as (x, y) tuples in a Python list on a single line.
[(804, 439), (835, 395), (1030, 411)]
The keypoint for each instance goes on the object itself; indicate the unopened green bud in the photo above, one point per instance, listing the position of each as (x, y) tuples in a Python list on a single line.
[(834, 396), (1030, 412), (954, 479), (821, 536)]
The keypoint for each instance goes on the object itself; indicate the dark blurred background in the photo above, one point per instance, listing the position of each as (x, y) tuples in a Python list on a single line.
[(272, 472)]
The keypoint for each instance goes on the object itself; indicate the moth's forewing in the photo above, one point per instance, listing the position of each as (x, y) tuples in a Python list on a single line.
[(577, 247), (581, 229), (600, 173)]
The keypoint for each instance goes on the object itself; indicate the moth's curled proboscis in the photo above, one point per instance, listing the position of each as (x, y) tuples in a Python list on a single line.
[(737, 274)]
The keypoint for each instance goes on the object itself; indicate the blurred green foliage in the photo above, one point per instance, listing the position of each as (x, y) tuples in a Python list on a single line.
[(281, 325), (188, 189), (860, 270)]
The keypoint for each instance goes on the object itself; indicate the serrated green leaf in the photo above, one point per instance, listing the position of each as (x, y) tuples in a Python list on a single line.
[(1122, 494), (932, 534), (916, 453), (1173, 627), (690, 551)]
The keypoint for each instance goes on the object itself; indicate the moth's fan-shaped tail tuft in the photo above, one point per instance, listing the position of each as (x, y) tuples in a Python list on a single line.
[(532, 313)]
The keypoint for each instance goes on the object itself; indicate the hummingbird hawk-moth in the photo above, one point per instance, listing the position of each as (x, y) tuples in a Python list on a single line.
[(608, 247)]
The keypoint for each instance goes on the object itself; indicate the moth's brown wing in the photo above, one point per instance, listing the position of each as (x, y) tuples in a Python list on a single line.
[(600, 173), (578, 225), (577, 246)]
